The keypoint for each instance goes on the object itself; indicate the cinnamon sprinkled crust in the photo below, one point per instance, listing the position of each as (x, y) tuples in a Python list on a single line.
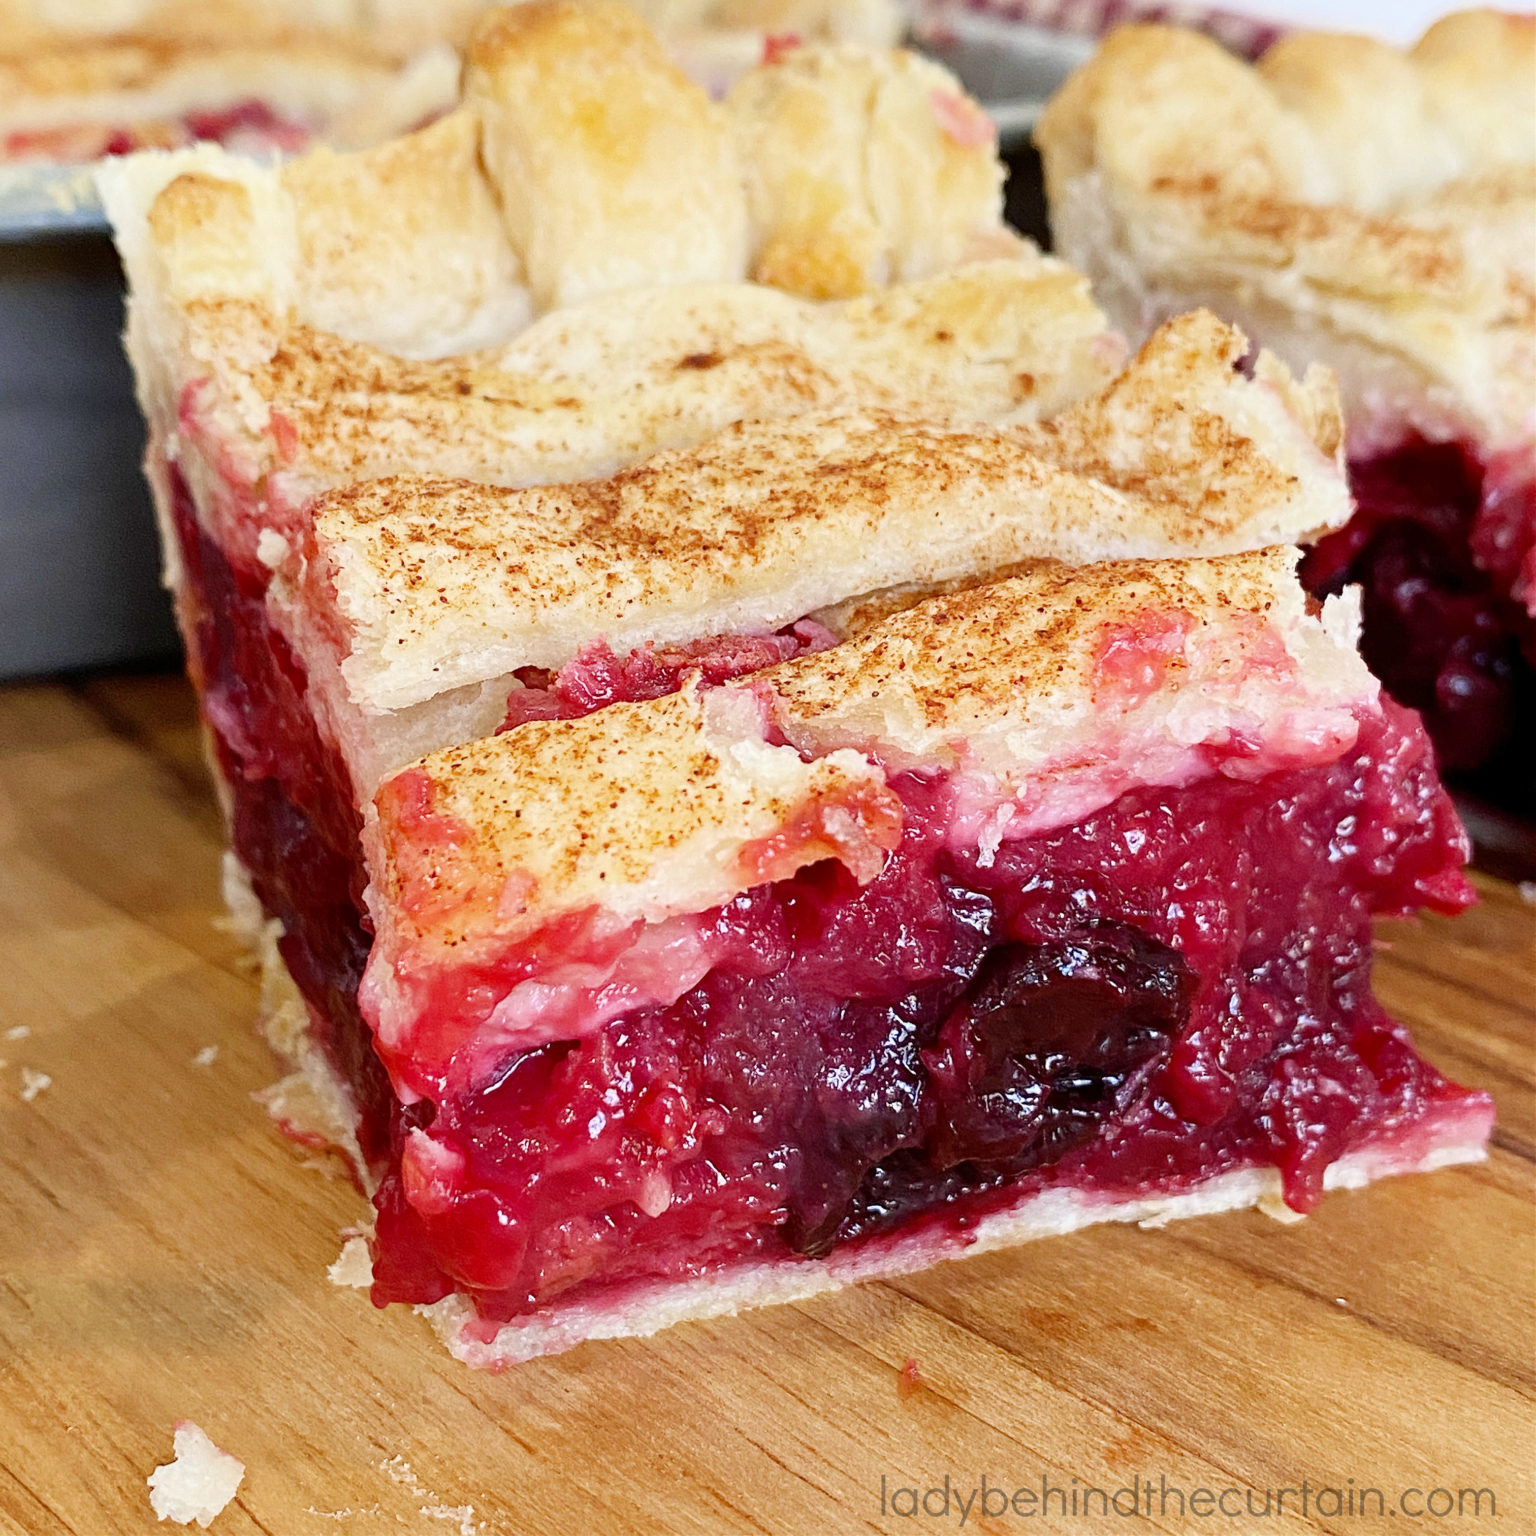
[(1011, 676), (433, 584), (590, 388), (583, 812), (645, 809), (1341, 199), (346, 316)]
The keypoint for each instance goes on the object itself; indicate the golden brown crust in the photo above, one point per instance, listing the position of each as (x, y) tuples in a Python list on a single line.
[(582, 391), (862, 169), (1476, 69), (444, 217), (580, 163), (438, 584), (1342, 197)]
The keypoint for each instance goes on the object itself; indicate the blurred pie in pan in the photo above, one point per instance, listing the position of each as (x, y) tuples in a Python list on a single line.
[(86, 80), (1374, 210), (93, 78), (715, 825)]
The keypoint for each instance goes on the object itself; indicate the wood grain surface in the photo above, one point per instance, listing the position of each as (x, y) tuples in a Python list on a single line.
[(163, 1256)]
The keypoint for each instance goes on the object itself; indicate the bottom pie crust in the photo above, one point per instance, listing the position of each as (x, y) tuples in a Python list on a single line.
[(1456, 1138), (313, 1105)]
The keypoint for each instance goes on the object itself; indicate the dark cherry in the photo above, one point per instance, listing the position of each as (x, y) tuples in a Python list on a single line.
[(1048, 1041), (1432, 555)]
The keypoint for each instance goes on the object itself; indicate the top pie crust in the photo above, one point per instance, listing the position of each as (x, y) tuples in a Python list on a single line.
[(581, 163), (1341, 199), (413, 601), (411, 585), (301, 340)]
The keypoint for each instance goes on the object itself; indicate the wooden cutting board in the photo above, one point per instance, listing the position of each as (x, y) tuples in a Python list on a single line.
[(163, 1256)]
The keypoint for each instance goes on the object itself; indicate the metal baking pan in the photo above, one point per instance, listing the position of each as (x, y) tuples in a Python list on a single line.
[(38, 202), (1010, 67), (79, 560)]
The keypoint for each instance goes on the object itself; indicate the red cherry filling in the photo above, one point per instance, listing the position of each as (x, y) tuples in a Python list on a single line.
[(597, 677), (1171, 988), (1437, 545), (250, 126)]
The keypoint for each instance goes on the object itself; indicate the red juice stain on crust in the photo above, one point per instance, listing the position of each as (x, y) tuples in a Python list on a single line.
[(857, 828), (285, 435), (962, 121), (249, 125), (432, 852), (598, 677), (1133, 661), (778, 45)]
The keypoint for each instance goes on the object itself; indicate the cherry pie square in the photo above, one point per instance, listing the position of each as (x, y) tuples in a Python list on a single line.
[(759, 750)]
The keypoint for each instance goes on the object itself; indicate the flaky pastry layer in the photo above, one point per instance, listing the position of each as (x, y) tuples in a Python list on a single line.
[(411, 586), (581, 162)]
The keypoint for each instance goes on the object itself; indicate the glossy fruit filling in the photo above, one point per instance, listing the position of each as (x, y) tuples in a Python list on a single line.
[(1173, 987), (1176, 986), (292, 820), (1439, 545)]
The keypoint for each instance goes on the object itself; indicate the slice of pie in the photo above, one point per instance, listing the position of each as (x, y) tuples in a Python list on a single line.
[(1374, 210), (714, 825)]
